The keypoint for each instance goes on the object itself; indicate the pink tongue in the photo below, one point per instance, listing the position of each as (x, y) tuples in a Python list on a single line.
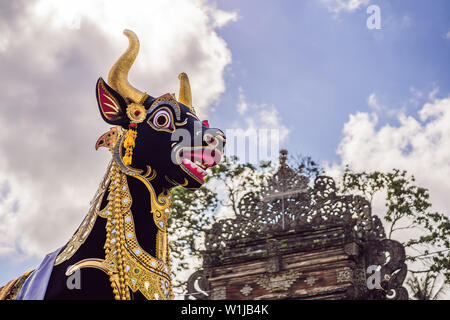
[(206, 157)]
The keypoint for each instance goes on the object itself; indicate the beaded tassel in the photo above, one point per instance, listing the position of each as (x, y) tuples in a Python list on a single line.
[(129, 143), (115, 241)]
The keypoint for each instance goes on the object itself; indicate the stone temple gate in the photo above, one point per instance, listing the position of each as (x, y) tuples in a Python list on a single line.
[(300, 242)]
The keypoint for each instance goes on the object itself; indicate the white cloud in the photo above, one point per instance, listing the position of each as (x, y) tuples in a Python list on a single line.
[(176, 36), (419, 145), (432, 94), (447, 35), (222, 18), (51, 54), (260, 116), (242, 104), (373, 103), (258, 132), (417, 95), (337, 6)]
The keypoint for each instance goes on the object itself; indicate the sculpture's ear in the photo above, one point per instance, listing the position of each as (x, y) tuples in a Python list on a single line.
[(111, 104)]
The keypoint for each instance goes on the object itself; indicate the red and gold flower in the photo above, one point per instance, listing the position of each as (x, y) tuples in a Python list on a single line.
[(136, 112)]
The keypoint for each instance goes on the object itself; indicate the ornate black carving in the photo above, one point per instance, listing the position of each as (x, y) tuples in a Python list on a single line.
[(288, 206), (390, 256), (197, 286), (377, 231), (287, 203)]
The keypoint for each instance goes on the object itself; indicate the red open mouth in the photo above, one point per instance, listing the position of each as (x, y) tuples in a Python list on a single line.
[(196, 161)]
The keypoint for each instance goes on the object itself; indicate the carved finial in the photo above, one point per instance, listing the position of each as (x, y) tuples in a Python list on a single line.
[(283, 157)]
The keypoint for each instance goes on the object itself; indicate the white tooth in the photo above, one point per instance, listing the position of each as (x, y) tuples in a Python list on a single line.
[(199, 170), (195, 166)]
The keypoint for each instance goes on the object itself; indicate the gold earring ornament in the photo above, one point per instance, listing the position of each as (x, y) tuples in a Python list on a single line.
[(129, 143), (136, 112)]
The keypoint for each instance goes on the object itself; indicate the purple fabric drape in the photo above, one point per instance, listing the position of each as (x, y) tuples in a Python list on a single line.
[(36, 284)]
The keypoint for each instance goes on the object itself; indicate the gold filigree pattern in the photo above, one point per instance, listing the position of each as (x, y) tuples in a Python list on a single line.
[(139, 270), (126, 263)]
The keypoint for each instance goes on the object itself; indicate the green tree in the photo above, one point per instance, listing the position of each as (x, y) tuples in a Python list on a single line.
[(426, 288), (194, 211), (408, 209)]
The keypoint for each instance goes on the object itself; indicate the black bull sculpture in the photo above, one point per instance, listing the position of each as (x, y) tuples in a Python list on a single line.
[(120, 250)]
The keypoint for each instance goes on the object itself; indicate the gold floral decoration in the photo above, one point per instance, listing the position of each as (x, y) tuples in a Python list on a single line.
[(136, 112)]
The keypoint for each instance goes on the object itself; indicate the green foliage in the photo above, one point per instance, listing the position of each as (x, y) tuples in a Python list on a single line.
[(426, 288), (194, 211), (236, 179), (408, 209), (305, 166)]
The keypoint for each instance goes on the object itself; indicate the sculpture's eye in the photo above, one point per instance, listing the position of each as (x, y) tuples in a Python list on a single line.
[(162, 120)]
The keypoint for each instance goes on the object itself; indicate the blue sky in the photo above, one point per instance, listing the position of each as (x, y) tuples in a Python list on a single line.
[(343, 94), (317, 68)]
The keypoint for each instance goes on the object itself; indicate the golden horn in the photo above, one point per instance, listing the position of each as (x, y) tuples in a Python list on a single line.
[(118, 75), (184, 95)]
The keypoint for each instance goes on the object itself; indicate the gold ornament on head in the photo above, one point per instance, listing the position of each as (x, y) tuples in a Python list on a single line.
[(184, 95), (136, 112), (118, 75)]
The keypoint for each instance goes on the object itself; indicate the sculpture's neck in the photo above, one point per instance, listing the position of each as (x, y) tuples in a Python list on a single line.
[(136, 230), (134, 252), (150, 201)]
